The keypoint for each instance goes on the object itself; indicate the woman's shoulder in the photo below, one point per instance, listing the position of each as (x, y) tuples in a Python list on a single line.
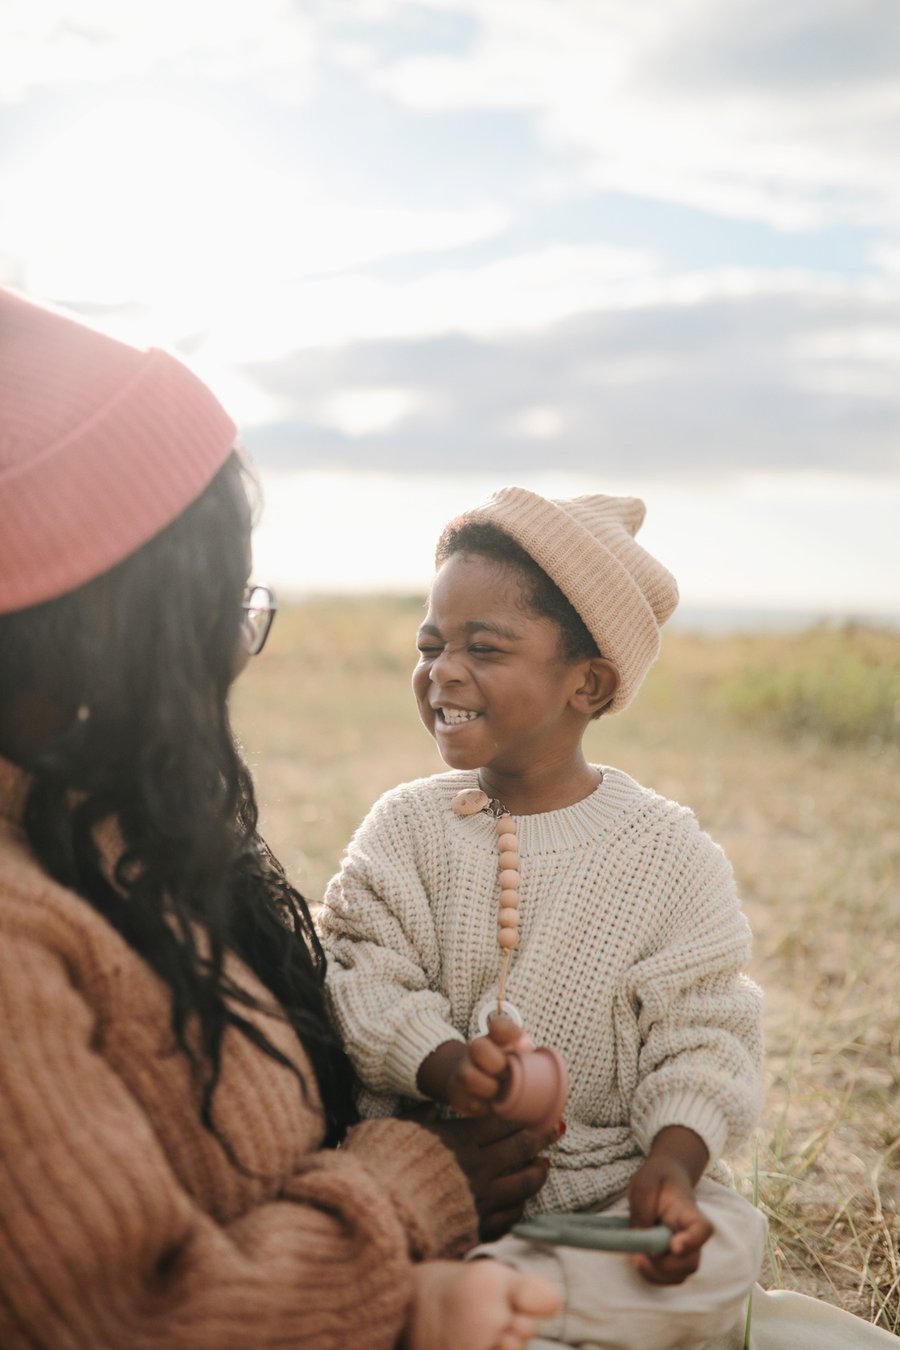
[(32, 904), (43, 920)]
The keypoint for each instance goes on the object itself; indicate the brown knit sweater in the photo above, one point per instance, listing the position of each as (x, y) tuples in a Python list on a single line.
[(122, 1222)]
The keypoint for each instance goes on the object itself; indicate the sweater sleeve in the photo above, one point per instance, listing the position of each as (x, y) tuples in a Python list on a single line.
[(101, 1244), (699, 1016), (384, 959)]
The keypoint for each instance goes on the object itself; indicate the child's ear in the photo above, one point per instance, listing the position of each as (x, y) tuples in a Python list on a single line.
[(599, 682)]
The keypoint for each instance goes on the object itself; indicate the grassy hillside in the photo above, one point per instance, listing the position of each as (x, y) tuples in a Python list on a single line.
[(788, 749)]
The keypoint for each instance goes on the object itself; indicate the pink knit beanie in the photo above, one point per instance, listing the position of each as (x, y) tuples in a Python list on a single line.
[(587, 546), (101, 446)]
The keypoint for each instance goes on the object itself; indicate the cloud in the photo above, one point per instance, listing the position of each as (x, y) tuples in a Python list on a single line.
[(404, 300), (169, 222), (799, 377), (99, 41), (521, 292), (784, 113), (809, 46)]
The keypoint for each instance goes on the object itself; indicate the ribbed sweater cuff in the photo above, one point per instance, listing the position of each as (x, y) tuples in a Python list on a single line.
[(414, 1042), (696, 1113), (427, 1188)]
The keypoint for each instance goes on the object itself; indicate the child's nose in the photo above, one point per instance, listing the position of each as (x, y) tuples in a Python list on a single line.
[(446, 667)]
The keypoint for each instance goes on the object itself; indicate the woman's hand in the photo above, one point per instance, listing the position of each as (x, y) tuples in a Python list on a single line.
[(501, 1163)]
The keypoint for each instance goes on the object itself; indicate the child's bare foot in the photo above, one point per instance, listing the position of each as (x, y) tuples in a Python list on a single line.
[(479, 1305)]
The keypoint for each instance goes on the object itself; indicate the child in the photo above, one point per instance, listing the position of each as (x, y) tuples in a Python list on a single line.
[(628, 939)]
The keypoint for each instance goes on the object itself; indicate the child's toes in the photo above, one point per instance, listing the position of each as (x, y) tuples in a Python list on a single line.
[(518, 1336), (534, 1296)]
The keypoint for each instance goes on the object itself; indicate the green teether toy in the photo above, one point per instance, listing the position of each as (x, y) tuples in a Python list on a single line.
[(601, 1232)]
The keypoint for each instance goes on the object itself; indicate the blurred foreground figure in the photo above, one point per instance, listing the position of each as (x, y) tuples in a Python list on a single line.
[(172, 1092)]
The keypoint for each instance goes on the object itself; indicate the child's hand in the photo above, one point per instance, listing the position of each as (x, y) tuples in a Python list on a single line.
[(662, 1191), (476, 1076)]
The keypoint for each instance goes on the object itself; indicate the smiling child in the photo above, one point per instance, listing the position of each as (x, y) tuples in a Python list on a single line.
[(628, 939)]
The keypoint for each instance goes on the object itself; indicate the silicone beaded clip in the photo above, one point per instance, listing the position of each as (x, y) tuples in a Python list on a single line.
[(471, 802), (536, 1083)]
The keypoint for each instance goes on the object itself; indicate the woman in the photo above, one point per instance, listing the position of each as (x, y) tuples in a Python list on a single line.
[(172, 1091)]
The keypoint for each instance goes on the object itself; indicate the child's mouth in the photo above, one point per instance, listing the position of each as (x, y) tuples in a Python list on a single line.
[(456, 717)]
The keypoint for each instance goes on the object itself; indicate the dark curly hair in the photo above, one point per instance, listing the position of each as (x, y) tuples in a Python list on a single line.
[(147, 653), (467, 534)]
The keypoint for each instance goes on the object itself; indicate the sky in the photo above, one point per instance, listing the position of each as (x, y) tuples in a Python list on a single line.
[(423, 250)]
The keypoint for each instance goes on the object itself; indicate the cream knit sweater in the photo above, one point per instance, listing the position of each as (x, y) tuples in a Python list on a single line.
[(632, 944), (123, 1224)]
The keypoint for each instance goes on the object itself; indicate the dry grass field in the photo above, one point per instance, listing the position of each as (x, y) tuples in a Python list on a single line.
[(788, 749)]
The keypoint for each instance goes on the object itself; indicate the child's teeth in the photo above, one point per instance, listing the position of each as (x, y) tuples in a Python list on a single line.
[(452, 715)]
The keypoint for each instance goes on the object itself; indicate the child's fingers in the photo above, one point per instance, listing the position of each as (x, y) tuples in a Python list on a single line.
[(694, 1230), (666, 1269), (487, 1056), (502, 1030), (475, 1083), (690, 1226), (643, 1201)]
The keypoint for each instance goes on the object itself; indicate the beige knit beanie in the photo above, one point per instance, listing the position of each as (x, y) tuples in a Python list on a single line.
[(587, 546)]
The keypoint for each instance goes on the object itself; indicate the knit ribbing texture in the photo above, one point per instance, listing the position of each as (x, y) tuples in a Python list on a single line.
[(586, 545), (632, 951), (123, 1222), (101, 446)]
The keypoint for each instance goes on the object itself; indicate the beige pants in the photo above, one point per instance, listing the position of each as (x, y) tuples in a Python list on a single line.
[(607, 1305), (782, 1320)]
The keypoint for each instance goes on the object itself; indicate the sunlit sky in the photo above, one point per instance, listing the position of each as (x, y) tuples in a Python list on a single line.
[(422, 250)]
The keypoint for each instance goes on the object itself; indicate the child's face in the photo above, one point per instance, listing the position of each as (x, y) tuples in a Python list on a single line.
[(492, 685)]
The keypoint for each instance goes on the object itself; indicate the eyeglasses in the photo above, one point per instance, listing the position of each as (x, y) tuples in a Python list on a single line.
[(259, 613)]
